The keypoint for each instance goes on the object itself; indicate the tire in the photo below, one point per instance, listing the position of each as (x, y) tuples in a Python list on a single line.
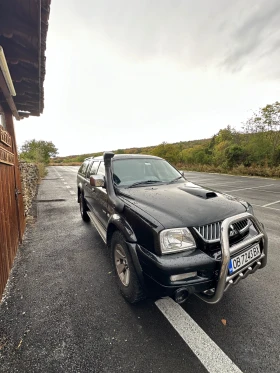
[(127, 278), (83, 209)]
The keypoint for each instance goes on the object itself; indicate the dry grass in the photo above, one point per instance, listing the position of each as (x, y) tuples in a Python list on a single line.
[(254, 170), (42, 170), (66, 164), (238, 170)]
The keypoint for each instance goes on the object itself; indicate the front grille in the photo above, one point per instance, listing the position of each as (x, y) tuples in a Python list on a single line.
[(212, 232), (241, 225)]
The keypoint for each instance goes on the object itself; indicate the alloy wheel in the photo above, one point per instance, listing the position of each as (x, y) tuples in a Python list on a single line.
[(121, 264)]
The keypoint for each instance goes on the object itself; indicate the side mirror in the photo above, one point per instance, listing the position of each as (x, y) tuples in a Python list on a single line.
[(182, 173), (97, 181)]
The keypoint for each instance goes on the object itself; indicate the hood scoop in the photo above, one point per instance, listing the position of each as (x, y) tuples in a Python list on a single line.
[(199, 192)]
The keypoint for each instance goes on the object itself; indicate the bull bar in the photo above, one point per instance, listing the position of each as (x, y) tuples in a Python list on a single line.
[(224, 279)]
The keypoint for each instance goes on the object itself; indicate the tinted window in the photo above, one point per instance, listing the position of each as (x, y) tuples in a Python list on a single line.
[(101, 169), (82, 169), (92, 170)]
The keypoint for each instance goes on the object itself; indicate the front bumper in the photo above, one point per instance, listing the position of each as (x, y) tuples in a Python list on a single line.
[(212, 278), (157, 271), (225, 281)]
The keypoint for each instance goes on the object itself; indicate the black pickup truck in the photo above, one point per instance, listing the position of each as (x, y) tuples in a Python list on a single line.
[(167, 235)]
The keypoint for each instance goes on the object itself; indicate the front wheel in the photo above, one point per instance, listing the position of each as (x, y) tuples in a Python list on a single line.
[(128, 281), (83, 209)]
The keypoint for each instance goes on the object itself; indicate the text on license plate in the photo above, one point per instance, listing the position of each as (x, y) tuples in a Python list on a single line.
[(240, 260)]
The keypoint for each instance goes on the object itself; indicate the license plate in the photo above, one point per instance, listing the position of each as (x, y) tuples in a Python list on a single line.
[(242, 259)]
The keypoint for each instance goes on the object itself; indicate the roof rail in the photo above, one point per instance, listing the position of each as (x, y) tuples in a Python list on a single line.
[(86, 159)]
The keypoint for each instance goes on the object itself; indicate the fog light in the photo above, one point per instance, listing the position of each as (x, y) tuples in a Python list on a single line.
[(183, 276)]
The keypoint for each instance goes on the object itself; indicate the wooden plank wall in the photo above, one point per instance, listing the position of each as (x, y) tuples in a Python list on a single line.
[(12, 221)]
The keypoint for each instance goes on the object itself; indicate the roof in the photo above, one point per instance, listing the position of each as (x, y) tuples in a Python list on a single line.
[(125, 156), (23, 34)]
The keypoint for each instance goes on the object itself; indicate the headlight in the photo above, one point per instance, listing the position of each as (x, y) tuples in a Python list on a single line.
[(177, 239)]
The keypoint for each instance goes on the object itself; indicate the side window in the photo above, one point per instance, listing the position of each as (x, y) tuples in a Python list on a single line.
[(101, 170), (92, 170), (82, 169)]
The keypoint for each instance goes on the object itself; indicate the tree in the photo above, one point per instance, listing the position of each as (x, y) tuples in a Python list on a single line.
[(265, 125), (225, 134), (235, 155), (170, 152), (38, 151), (195, 155)]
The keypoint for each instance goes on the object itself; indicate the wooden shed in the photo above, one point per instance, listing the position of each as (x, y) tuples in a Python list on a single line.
[(23, 34)]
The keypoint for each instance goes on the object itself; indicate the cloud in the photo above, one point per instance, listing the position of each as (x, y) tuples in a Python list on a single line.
[(200, 34), (255, 37), (124, 73)]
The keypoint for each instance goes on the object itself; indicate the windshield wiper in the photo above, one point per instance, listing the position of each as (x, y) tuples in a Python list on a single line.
[(144, 182), (177, 178)]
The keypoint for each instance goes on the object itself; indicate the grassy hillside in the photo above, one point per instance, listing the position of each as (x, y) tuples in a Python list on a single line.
[(256, 151), (227, 152), (77, 159)]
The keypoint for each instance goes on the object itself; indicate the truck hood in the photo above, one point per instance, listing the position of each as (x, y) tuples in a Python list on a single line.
[(183, 204)]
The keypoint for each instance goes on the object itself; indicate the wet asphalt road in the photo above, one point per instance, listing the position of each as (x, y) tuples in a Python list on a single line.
[(63, 312)]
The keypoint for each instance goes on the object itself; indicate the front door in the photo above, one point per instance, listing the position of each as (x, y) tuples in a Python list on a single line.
[(88, 189), (100, 199), (96, 197)]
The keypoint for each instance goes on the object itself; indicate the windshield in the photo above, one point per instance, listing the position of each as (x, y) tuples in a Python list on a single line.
[(143, 170)]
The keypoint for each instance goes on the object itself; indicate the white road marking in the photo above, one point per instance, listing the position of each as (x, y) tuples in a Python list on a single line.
[(269, 191), (257, 187), (231, 175), (198, 181), (65, 183), (58, 174), (210, 174), (210, 354), (68, 168), (271, 208), (230, 182), (272, 203)]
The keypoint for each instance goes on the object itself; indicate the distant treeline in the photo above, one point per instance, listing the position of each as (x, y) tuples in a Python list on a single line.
[(255, 150)]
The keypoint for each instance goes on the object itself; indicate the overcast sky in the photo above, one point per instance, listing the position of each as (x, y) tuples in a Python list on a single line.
[(129, 73)]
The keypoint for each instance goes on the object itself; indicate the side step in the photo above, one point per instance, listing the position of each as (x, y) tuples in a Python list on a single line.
[(98, 226)]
